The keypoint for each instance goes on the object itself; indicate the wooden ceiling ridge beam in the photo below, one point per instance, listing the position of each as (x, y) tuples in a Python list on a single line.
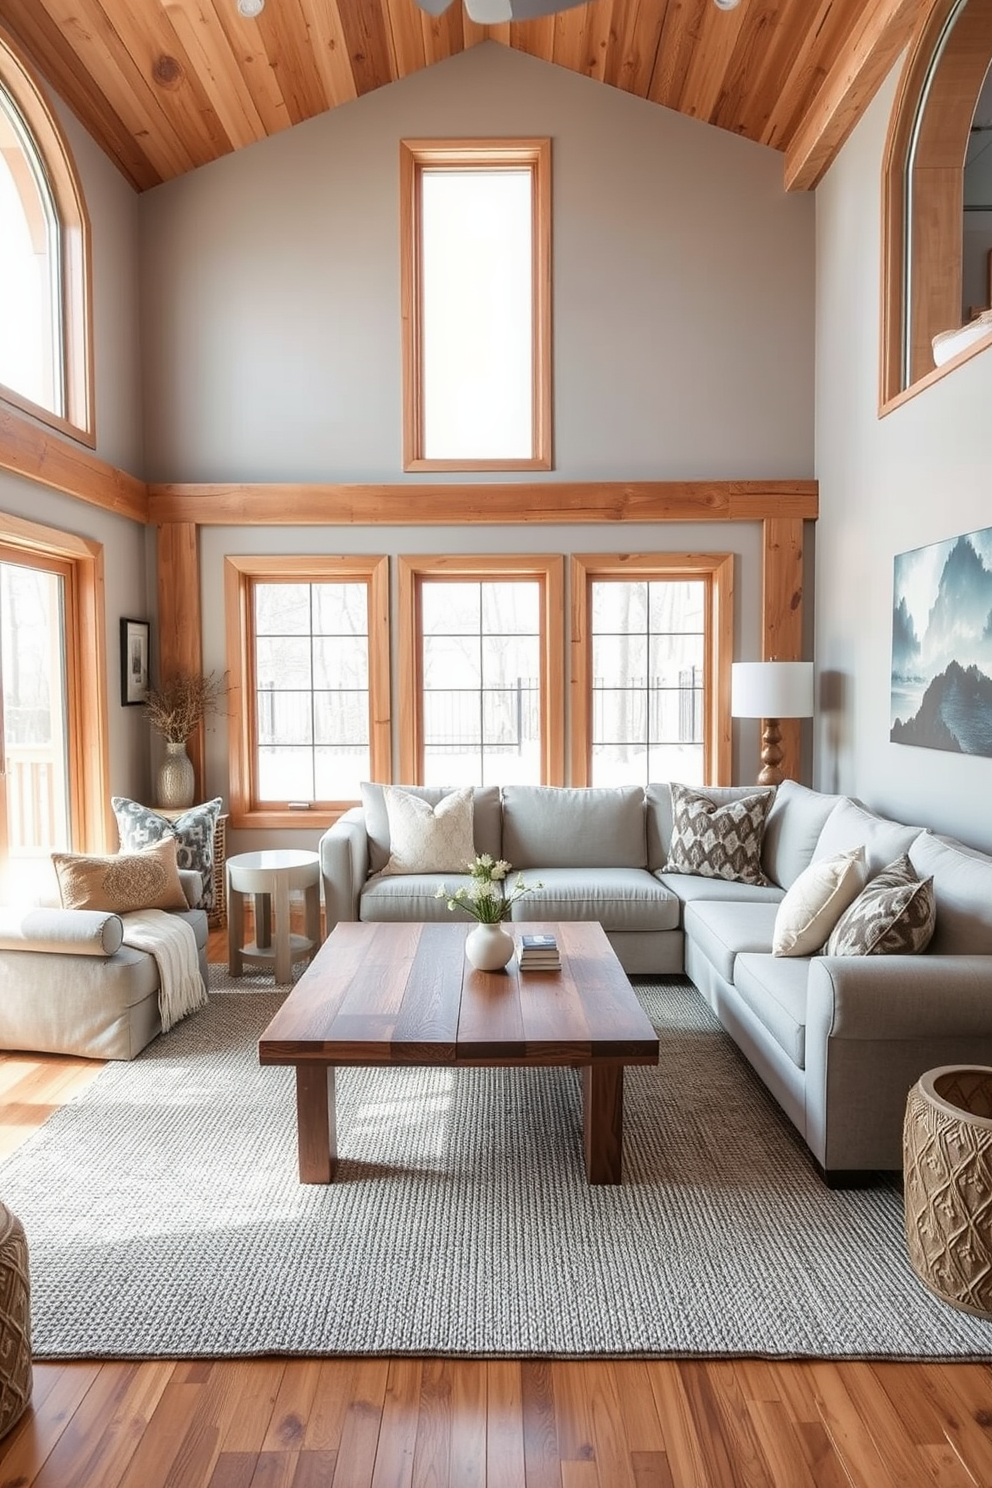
[(875, 41)]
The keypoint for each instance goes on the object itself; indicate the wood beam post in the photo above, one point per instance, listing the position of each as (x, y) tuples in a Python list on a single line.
[(782, 617), (180, 626)]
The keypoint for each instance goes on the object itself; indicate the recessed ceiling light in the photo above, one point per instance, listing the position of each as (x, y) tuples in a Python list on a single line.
[(726, 4), (252, 8)]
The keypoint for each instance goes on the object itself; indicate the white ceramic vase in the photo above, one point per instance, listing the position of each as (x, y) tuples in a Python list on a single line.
[(488, 947)]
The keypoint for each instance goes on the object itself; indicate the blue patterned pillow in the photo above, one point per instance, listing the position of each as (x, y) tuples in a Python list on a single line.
[(139, 827)]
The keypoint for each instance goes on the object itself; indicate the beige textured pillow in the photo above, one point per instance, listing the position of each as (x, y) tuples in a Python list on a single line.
[(122, 882), (429, 839), (816, 901)]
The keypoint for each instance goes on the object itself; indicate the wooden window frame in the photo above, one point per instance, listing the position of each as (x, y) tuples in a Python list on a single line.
[(549, 572), (25, 88), (240, 573), (933, 110), (79, 563), (415, 156), (717, 571)]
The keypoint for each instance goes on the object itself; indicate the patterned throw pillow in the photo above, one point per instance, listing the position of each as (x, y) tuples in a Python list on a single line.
[(193, 833), (121, 882), (894, 915), (718, 841), (429, 839)]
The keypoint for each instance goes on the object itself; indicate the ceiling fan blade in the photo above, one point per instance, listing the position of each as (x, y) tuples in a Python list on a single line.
[(489, 12), (435, 7), (529, 10)]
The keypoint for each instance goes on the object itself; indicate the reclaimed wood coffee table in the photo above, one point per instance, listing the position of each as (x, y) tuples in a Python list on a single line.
[(405, 994)]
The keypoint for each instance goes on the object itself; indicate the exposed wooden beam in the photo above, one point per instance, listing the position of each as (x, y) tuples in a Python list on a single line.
[(525, 502), (879, 35), (782, 618), (180, 627), (35, 453)]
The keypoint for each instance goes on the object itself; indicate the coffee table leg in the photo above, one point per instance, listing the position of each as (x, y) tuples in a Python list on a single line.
[(316, 1124), (602, 1121)]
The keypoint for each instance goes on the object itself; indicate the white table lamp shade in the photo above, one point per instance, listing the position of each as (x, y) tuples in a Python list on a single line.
[(772, 689)]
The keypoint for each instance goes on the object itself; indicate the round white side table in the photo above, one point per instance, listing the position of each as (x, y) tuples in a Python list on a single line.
[(270, 877)]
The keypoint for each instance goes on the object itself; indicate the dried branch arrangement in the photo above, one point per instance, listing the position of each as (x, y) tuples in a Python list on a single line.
[(177, 707)]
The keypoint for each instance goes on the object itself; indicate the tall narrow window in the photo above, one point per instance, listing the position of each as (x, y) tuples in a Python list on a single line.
[(475, 220), (310, 668), (481, 692), (652, 640), (53, 781), (44, 324)]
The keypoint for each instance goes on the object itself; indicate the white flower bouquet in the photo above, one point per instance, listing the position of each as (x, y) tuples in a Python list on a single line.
[(488, 899)]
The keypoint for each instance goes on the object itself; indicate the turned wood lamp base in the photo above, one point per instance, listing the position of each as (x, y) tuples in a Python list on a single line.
[(771, 754)]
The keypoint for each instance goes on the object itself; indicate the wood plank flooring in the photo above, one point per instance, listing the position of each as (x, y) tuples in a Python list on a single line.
[(493, 1423)]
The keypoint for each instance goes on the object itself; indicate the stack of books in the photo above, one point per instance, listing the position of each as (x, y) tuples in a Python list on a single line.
[(539, 953)]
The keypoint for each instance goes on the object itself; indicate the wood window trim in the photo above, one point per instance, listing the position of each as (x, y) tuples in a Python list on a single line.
[(239, 574), (26, 89), (935, 243), (549, 571), (80, 561), (415, 155), (717, 570)]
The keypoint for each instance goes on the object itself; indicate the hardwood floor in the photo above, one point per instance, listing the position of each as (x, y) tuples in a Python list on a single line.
[(502, 1423)]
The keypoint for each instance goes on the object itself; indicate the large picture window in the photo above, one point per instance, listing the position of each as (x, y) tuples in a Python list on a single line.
[(652, 640), (476, 303), (310, 672), (480, 672), (44, 248)]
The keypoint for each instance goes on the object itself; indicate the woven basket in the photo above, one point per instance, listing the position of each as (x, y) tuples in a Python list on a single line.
[(947, 1160), (15, 1321)]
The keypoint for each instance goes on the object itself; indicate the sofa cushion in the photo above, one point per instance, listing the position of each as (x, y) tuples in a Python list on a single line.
[(796, 818), (629, 899), (718, 841), (722, 930), (774, 988), (547, 826), (689, 889), (121, 882), (193, 832), (485, 817), (816, 901), (852, 825), (426, 837), (893, 915), (411, 896), (659, 815), (962, 883)]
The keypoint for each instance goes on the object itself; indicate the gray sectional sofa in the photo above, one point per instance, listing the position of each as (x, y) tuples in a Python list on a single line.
[(838, 1041)]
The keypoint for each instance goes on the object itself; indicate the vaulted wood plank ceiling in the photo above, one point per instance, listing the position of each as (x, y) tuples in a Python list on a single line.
[(168, 85)]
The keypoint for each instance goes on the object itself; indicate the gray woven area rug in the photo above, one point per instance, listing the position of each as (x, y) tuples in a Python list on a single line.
[(164, 1216)]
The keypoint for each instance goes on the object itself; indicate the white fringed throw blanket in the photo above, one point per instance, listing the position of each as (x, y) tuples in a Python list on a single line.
[(172, 942)]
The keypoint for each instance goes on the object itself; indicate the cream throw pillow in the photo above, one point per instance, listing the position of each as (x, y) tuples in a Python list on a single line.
[(429, 839), (816, 901), (123, 882)]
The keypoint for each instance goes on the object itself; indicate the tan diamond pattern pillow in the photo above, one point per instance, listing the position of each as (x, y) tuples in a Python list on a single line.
[(429, 839), (718, 841), (122, 882), (894, 915)]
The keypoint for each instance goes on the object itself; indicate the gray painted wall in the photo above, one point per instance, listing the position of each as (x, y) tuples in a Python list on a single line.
[(683, 289), (917, 476)]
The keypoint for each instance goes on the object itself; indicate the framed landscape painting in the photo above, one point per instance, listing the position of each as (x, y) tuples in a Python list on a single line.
[(942, 645)]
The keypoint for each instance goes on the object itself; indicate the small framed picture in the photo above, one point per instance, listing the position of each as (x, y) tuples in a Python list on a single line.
[(134, 661)]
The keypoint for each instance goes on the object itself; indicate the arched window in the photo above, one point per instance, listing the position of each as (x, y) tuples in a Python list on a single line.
[(45, 365)]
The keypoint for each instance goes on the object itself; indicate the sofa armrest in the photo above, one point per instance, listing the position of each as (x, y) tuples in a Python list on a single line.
[(344, 866), (899, 997), (192, 882), (63, 932)]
